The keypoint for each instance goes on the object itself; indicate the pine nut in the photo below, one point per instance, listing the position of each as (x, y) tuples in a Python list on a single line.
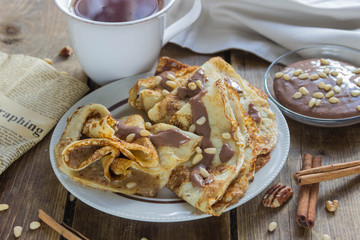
[(148, 125), (210, 150), (130, 138), (332, 206), (131, 185), (204, 173), (197, 158), (34, 225), (321, 85), (312, 102), (358, 108), (286, 77), (171, 77), (71, 198), (165, 92), (192, 86), (171, 84), (199, 83), (318, 95), (356, 71), (334, 73), (297, 72), (337, 89), (317, 102), (4, 207), (314, 77), (226, 136), (297, 95), (303, 76), (322, 75), (326, 237), (192, 128), (323, 61), (327, 87), (329, 94), (358, 83), (326, 71), (201, 120), (157, 80), (144, 133), (17, 231), (339, 81), (279, 74), (198, 150), (272, 226), (355, 93), (303, 91), (333, 100)]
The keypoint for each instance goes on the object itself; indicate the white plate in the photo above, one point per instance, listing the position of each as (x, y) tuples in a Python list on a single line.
[(166, 207)]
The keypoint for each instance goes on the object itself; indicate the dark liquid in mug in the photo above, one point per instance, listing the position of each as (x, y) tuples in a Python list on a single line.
[(116, 10)]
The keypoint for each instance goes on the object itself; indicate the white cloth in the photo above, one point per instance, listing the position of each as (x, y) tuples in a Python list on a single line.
[(269, 28)]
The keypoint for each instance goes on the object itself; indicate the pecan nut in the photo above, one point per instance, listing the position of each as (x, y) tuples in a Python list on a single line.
[(277, 195)]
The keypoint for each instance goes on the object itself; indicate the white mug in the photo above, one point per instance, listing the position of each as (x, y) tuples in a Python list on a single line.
[(112, 50)]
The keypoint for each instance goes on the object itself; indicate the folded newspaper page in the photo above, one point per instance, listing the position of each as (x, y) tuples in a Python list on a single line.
[(33, 97)]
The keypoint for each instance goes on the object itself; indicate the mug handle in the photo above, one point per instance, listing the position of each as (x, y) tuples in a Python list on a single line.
[(183, 22)]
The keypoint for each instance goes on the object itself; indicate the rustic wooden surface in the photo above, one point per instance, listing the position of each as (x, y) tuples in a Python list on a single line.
[(38, 29)]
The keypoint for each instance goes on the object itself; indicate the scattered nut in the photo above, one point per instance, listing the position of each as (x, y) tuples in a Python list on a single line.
[(297, 72), (339, 81), (198, 150), (323, 61), (314, 77), (331, 206), (201, 121), (71, 197), (144, 133), (197, 158), (322, 75), (297, 95), (210, 150), (277, 195), (327, 87), (303, 76), (326, 71), (199, 83), (171, 84), (148, 125), (165, 92), (192, 128), (131, 185), (312, 102), (355, 93), (130, 138), (356, 71), (48, 60), (329, 94), (226, 136), (318, 95), (279, 74), (326, 237), (334, 73), (192, 86), (34, 225), (286, 77), (337, 89), (304, 91), (4, 207), (171, 77), (321, 85), (317, 102), (66, 51), (272, 226), (17, 231), (204, 173), (333, 100)]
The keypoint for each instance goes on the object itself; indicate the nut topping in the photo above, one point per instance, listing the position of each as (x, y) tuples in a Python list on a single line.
[(192, 86), (304, 91), (327, 87), (192, 128), (326, 71), (272, 226), (333, 100), (358, 108), (131, 185), (329, 94), (323, 61), (318, 95), (164, 92), (303, 76), (157, 80), (322, 75), (148, 125), (355, 93), (334, 73), (331, 206), (297, 72), (204, 173), (171, 84), (317, 102), (321, 85), (314, 77), (312, 102), (198, 150), (286, 77), (144, 133), (210, 150), (199, 83), (130, 138), (297, 95), (337, 89), (197, 158), (356, 71), (277, 195), (226, 136), (279, 74), (171, 77), (201, 120), (339, 81)]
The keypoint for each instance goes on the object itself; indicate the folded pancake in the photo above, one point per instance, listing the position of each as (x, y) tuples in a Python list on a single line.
[(202, 184), (140, 164)]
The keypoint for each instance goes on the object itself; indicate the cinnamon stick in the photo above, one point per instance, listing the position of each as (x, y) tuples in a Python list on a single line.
[(314, 190), (304, 194)]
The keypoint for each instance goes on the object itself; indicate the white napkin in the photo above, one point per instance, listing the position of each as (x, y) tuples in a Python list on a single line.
[(269, 28)]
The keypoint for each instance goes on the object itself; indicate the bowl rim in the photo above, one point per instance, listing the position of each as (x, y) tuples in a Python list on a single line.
[(295, 113)]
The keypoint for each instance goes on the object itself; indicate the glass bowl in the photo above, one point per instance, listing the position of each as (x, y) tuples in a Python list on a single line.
[(340, 53)]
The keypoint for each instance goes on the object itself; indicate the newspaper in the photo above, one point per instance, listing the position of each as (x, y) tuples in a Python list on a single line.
[(33, 97)]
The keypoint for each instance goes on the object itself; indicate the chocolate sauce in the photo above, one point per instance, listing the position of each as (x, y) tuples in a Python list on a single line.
[(226, 153), (346, 107), (164, 78), (254, 113), (185, 92), (170, 137), (124, 130), (116, 10)]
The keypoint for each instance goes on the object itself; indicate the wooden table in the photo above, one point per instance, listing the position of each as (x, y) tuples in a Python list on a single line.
[(37, 28)]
